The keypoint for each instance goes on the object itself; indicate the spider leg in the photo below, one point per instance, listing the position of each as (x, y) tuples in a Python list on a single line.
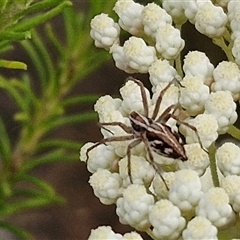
[(159, 100), (151, 160), (109, 139), (189, 126), (143, 94), (129, 148), (126, 128), (166, 114)]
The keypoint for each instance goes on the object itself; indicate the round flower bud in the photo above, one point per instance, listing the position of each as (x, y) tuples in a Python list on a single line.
[(132, 98), (231, 184), (232, 7), (190, 9), (198, 159), (236, 49), (161, 72), (129, 14), (210, 20), (104, 31), (206, 126), (138, 55), (185, 192), (169, 42), (198, 64), (131, 236), (234, 24), (166, 220), (159, 186), (175, 9), (193, 94), (153, 18), (214, 205), (104, 232), (133, 207), (100, 157), (228, 159), (200, 228), (106, 186), (119, 58), (142, 172), (227, 78), (221, 105)]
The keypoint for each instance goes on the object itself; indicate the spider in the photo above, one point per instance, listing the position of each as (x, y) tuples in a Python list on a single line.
[(156, 135)]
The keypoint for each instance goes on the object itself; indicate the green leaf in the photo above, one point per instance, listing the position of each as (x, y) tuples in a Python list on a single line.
[(54, 156), (13, 64), (73, 119), (83, 99), (5, 145), (15, 36), (20, 233), (45, 188), (37, 20), (59, 143), (16, 207)]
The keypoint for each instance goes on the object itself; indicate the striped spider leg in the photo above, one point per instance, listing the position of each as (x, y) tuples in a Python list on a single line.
[(156, 135)]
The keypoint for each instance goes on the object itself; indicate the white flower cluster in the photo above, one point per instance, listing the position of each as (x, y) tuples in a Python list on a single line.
[(188, 107)]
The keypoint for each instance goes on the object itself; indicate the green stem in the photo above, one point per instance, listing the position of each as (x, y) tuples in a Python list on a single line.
[(226, 48), (234, 132), (213, 166)]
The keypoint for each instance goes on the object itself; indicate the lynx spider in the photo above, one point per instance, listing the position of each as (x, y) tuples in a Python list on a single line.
[(153, 132)]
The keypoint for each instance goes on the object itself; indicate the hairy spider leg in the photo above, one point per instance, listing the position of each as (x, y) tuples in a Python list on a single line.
[(143, 94), (160, 97)]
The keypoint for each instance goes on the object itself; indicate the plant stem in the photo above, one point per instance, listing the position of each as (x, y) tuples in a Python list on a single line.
[(213, 166)]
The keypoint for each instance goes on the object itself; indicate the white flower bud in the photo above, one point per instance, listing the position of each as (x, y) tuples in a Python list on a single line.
[(106, 104), (129, 14), (159, 186), (119, 58), (193, 94), (104, 232), (197, 64), (221, 105), (132, 236), (133, 207), (232, 7), (210, 20), (185, 192), (104, 31), (231, 184), (228, 159), (190, 9), (100, 157), (200, 228), (235, 24), (166, 220), (142, 172), (153, 18), (175, 9), (198, 159), (132, 98), (138, 55), (227, 78), (169, 42), (214, 205), (236, 49), (161, 72), (106, 186), (206, 125)]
